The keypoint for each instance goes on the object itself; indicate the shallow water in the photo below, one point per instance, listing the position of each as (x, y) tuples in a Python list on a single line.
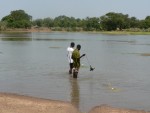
[(35, 64)]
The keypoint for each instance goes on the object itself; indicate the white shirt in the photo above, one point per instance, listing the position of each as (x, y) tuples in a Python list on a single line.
[(69, 54)]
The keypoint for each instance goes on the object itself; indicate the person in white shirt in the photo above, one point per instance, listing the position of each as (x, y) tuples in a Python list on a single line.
[(69, 55)]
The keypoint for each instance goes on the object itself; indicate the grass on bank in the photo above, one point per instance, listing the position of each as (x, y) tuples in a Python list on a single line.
[(44, 29), (125, 33)]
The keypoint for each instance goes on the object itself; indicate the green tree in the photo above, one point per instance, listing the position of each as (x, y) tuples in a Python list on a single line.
[(92, 24), (67, 23), (62, 21), (134, 23), (48, 22), (79, 22), (38, 22), (18, 19), (112, 21), (3, 26), (147, 22)]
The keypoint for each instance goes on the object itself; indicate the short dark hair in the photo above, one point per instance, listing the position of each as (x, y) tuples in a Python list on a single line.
[(72, 44), (78, 47)]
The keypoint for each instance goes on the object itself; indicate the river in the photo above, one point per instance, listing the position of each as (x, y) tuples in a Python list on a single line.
[(35, 64)]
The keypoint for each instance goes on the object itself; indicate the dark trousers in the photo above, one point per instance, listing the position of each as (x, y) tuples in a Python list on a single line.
[(71, 66)]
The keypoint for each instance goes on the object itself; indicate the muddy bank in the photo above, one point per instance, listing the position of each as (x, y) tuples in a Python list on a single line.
[(108, 109), (42, 29), (46, 29), (12, 103)]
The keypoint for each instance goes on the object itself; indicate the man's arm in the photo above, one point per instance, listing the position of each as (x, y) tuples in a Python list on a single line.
[(82, 56)]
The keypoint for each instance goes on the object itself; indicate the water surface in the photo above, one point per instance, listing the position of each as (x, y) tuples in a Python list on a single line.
[(35, 64)]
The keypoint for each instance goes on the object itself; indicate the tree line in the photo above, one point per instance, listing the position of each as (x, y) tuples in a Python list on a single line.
[(109, 22)]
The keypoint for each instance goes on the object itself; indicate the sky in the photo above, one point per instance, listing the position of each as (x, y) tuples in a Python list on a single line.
[(40, 9)]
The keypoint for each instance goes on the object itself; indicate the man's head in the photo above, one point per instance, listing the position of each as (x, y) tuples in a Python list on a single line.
[(78, 47), (72, 44)]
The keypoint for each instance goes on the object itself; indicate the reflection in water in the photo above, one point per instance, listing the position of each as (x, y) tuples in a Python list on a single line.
[(16, 39), (18, 36), (75, 99), (55, 47), (50, 39), (141, 54)]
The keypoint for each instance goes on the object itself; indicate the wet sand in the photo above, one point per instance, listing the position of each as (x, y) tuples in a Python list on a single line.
[(109, 109), (12, 103)]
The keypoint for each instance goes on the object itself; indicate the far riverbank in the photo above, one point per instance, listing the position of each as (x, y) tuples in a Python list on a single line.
[(44, 29)]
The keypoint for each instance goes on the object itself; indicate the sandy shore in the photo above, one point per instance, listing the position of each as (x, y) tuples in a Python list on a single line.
[(109, 109), (12, 103)]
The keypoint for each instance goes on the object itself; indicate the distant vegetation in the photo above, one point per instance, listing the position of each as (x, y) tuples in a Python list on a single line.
[(109, 22), (17, 19)]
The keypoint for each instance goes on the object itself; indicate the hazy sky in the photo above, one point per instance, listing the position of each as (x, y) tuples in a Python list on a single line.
[(76, 8)]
